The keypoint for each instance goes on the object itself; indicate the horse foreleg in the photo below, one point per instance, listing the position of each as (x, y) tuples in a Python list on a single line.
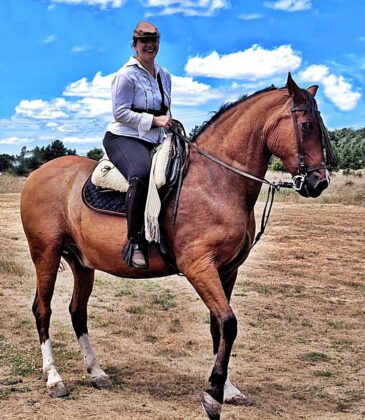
[(205, 279), (46, 264), (232, 395), (83, 284)]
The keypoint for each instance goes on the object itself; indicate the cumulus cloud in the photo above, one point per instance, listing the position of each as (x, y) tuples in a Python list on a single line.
[(99, 87), (103, 4), (290, 5), (189, 92), (336, 88), (251, 64), (185, 7)]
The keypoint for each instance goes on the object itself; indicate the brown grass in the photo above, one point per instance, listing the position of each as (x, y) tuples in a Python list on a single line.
[(299, 354), (344, 189), (10, 183)]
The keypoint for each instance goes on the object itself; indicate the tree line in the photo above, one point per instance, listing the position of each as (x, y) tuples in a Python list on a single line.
[(29, 160), (348, 145)]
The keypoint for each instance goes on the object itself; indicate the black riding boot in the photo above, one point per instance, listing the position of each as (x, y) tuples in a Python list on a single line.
[(137, 246)]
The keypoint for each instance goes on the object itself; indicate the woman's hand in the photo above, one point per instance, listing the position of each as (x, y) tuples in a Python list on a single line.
[(163, 121)]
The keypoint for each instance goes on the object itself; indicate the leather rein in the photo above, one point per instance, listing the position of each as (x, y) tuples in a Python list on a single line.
[(297, 181)]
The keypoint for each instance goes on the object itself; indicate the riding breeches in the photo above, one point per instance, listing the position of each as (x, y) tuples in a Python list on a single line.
[(132, 157)]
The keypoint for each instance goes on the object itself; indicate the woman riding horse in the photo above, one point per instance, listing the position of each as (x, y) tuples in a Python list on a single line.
[(141, 92), (212, 236)]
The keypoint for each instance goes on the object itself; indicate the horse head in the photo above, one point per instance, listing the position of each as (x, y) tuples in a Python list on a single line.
[(299, 139)]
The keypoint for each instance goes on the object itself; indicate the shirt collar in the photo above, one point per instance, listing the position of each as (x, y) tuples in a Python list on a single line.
[(134, 62)]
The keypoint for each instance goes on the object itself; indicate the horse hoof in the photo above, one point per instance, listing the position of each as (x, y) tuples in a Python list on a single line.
[(57, 390), (211, 406), (102, 382), (239, 399)]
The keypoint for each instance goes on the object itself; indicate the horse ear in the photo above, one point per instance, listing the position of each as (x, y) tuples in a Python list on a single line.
[(293, 89), (313, 90)]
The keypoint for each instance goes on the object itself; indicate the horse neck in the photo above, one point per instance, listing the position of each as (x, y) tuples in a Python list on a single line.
[(239, 136)]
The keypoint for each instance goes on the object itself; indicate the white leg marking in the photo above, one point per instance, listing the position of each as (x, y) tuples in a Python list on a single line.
[(90, 360), (49, 367), (230, 391)]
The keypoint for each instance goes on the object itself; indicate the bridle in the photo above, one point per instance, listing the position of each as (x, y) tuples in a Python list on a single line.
[(310, 110), (297, 181)]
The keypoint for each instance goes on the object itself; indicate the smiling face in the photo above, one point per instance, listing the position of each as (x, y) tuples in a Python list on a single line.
[(146, 42), (147, 49)]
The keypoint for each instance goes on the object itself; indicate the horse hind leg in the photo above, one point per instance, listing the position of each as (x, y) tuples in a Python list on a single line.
[(46, 261), (83, 284)]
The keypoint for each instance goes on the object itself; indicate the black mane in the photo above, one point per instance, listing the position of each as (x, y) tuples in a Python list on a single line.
[(226, 106)]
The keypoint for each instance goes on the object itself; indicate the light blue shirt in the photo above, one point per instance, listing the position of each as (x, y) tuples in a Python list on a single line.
[(134, 86)]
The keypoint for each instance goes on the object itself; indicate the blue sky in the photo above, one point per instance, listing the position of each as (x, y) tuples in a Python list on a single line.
[(59, 57)]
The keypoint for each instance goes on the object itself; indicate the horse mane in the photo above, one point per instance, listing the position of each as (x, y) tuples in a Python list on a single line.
[(227, 106)]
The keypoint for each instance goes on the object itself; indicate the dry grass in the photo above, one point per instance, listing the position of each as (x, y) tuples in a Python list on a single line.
[(10, 184), (344, 189), (299, 354)]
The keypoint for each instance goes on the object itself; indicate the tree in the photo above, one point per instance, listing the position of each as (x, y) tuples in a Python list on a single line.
[(56, 149), (95, 153), (6, 162)]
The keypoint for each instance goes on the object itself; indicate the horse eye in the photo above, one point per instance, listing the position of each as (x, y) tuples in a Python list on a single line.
[(307, 126)]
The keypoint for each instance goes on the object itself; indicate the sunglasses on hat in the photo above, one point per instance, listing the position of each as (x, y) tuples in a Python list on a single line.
[(146, 40)]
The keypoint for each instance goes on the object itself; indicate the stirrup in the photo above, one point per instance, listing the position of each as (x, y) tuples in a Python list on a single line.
[(129, 250)]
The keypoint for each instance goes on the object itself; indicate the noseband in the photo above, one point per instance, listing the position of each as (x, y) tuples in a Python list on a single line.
[(303, 171)]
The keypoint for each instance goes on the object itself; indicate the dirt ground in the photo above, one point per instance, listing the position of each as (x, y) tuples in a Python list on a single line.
[(299, 354)]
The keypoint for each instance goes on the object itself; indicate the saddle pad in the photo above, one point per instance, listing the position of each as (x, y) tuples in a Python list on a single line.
[(103, 201)]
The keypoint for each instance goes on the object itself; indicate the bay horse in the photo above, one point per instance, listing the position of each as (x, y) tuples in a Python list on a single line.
[(215, 223)]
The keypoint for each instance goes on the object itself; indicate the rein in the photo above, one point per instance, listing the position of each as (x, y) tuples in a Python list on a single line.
[(273, 186)]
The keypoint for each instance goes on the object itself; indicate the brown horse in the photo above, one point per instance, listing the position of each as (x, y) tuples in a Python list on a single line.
[(215, 223)]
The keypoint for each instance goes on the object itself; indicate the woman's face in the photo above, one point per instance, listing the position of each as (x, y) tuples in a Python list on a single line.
[(147, 48)]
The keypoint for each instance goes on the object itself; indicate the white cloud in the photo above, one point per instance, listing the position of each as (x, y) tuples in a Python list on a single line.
[(290, 5), (189, 92), (14, 140), (103, 4), (49, 39), (99, 87), (251, 64), (336, 88), (81, 140), (81, 48), (42, 110), (252, 16), (185, 7)]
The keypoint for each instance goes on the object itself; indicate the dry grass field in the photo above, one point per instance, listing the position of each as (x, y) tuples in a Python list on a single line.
[(299, 300)]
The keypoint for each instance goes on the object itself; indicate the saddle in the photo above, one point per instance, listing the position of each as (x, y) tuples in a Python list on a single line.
[(105, 190)]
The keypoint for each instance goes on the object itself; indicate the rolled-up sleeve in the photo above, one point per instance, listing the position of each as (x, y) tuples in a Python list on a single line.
[(122, 100)]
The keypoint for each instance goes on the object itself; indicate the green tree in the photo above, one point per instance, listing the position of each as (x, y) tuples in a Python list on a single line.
[(55, 150), (95, 153), (6, 162)]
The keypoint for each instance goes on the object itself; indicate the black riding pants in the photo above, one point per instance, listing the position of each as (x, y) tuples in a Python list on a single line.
[(130, 155), (133, 159)]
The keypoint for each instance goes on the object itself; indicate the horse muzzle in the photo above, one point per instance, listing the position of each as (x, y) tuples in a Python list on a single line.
[(313, 183)]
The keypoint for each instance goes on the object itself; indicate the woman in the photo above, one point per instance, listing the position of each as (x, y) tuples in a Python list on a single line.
[(141, 93)]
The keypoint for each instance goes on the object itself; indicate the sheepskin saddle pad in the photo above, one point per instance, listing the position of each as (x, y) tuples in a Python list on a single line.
[(106, 188)]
